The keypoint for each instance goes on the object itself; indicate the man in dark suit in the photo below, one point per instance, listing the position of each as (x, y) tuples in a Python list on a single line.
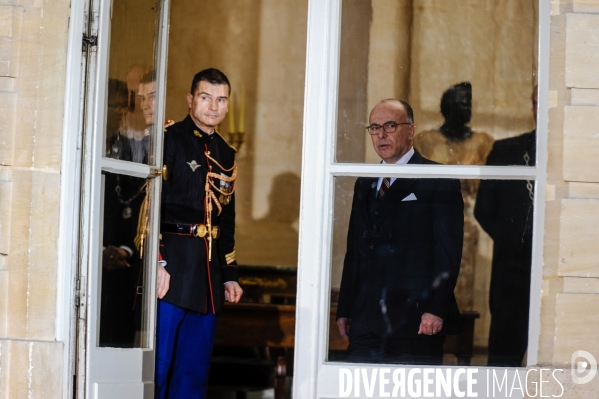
[(504, 209), (198, 245), (404, 247)]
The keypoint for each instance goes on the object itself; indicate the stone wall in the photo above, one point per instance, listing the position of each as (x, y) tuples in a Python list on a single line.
[(570, 296), (33, 49)]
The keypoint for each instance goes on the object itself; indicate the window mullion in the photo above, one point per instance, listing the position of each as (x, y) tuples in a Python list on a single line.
[(433, 171)]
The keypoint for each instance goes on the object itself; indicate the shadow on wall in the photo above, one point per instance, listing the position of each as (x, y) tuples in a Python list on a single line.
[(273, 240)]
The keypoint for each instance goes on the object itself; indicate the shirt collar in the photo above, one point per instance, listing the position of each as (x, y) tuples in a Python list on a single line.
[(405, 159), (209, 134), (197, 127)]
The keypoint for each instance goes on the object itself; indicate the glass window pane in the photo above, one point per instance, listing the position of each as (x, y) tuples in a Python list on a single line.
[(123, 303), (415, 252), (468, 72), (131, 87), (264, 121)]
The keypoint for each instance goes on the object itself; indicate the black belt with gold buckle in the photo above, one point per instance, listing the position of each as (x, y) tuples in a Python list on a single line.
[(191, 230)]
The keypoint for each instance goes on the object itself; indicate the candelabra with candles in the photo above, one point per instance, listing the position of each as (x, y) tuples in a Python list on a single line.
[(237, 138)]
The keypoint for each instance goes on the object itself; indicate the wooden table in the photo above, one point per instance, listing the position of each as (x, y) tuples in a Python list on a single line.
[(253, 324)]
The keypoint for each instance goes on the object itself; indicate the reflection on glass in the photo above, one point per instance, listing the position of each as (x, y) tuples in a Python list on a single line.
[(404, 245), (129, 136), (455, 143), (504, 209), (122, 299), (417, 51), (131, 85), (396, 258)]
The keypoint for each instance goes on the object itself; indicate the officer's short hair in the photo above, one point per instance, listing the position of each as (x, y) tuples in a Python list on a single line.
[(211, 75)]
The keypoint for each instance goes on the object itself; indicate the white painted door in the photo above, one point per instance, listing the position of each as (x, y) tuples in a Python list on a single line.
[(125, 48)]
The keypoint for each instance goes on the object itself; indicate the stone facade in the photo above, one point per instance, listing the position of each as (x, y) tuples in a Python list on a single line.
[(33, 50), (570, 277)]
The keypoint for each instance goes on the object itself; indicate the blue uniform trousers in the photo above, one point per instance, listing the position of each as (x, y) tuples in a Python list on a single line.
[(184, 341)]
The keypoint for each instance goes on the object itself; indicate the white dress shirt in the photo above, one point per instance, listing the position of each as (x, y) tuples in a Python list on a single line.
[(402, 161)]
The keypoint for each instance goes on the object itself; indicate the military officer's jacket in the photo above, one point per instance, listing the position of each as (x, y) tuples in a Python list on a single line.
[(195, 282)]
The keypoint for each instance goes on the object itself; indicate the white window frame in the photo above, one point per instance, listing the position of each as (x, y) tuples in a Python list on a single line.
[(70, 186), (314, 376), (70, 247)]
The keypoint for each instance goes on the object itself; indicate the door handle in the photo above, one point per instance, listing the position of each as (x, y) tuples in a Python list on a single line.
[(161, 172)]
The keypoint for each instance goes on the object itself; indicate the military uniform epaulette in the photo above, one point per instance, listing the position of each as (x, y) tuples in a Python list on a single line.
[(226, 142), (168, 124)]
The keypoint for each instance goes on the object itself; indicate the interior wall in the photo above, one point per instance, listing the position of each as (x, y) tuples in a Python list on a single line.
[(491, 44), (131, 41), (389, 55), (352, 106), (353, 67)]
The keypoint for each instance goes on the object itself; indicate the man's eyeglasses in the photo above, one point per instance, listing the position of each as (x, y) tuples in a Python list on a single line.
[(388, 127)]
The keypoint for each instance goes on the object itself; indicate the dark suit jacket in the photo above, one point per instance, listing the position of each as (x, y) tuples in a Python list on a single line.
[(405, 252), (195, 283), (504, 210)]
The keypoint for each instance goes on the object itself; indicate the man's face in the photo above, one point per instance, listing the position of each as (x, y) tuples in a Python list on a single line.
[(147, 98), (391, 146), (208, 105)]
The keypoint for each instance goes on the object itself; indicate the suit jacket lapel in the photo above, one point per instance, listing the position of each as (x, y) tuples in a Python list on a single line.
[(367, 191), (400, 188)]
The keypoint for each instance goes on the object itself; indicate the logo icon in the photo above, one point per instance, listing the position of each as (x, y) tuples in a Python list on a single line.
[(582, 361)]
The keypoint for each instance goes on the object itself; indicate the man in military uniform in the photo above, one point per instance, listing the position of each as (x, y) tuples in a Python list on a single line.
[(198, 246), (504, 209)]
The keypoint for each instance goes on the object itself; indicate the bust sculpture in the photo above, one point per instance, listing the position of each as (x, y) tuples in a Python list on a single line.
[(455, 143)]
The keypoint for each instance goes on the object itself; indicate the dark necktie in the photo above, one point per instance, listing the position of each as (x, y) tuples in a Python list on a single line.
[(384, 187)]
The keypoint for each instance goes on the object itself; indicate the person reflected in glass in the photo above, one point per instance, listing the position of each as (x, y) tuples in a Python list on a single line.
[(123, 198), (404, 244), (132, 140), (504, 209)]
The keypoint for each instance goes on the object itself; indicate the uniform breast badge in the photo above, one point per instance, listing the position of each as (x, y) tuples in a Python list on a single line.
[(193, 165)]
